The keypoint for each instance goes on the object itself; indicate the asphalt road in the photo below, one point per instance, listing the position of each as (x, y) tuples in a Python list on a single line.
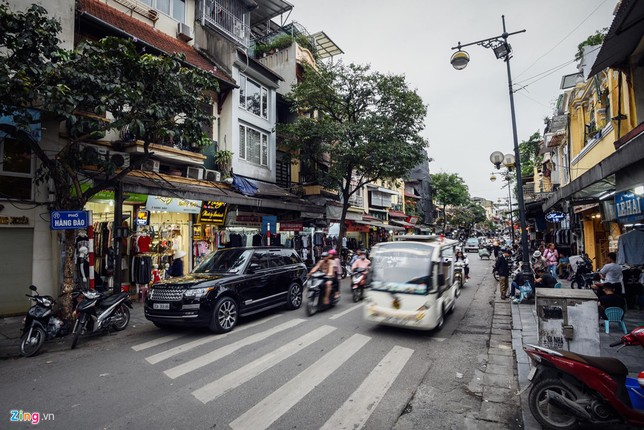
[(278, 370)]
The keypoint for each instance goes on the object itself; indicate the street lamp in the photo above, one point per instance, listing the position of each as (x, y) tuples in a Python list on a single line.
[(503, 51)]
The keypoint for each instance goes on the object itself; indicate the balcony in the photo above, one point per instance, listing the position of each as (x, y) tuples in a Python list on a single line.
[(356, 201), (230, 22)]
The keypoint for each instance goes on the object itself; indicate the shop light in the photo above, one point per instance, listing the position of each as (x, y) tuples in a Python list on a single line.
[(606, 195)]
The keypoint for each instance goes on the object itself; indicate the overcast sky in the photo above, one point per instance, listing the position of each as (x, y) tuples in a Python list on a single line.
[(469, 110)]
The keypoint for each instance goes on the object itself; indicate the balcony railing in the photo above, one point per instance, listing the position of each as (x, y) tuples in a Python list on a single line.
[(228, 22), (356, 201)]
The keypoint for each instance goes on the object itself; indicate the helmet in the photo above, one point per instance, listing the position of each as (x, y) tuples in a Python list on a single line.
[(324, 255), (536, 254), (333, 252)]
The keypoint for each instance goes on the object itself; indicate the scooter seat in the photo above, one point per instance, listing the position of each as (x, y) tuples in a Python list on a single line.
[(612, 366), (110, 300)]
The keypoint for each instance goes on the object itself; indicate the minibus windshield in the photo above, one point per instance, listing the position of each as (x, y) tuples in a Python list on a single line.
[(402, 267)]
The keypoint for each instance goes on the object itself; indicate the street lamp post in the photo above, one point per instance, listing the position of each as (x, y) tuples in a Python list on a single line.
[(503, 50)]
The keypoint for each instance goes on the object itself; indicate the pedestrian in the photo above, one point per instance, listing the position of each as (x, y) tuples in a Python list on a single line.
[(610, 300), (563, 268), (538, 262), (611, 273), (544, 279), (502, 269), (552, 258)]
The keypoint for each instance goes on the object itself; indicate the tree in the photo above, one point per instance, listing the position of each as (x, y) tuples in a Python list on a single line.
[(529, 153), (449, 189), (592, 40), (154, 98), (358, 126)]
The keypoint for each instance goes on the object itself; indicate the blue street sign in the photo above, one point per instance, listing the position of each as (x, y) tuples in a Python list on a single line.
[(68, 220)]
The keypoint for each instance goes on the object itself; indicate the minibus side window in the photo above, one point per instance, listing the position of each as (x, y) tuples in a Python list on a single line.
[(445, 269)]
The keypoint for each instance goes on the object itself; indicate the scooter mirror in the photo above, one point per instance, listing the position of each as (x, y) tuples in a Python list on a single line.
[(640, 379), (33, 288)]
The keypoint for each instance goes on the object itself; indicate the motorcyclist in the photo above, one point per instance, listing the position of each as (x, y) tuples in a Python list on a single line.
[(361, 263), (462, 257), (326, 266), (337, 271)]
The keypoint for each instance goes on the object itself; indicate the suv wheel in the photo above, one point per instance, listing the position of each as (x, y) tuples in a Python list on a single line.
[(294, 298), (224, 318)]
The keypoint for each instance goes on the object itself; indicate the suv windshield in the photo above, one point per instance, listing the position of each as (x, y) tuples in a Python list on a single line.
[(402, 267), (224, 261), (473, 241)]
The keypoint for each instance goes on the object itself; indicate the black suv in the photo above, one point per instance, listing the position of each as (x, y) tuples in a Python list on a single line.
[(228, 284)]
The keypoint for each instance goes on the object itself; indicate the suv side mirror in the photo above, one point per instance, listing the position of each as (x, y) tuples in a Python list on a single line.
[(253, 267)]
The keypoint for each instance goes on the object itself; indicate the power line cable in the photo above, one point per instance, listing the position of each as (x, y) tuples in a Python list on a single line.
[(562, 40)]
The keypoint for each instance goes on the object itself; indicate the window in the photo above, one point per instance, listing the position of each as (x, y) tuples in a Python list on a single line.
[(174, 8), (253, 97), (15, 169), (253, 145)]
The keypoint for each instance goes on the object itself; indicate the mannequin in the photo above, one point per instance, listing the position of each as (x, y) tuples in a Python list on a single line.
[(82, 264)]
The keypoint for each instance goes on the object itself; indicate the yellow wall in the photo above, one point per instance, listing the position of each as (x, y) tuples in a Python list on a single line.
[(589, 238)]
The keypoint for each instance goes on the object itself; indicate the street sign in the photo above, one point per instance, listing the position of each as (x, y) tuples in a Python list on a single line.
[(68, 220)]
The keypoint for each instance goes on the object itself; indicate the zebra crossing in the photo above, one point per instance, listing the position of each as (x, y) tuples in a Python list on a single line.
[(353, 413)]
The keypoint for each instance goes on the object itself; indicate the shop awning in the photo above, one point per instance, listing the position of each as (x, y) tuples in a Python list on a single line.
[(403, 223), (411, 195), (397, 214)]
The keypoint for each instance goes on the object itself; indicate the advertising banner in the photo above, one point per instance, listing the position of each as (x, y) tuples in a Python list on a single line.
[(213, 212)]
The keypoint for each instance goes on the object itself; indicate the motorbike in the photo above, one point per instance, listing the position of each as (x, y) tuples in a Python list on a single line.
[(484, 253), (569, 389), (357, 284), (98, 312), (584, 275), (459, 273), (314, 287), (40, 324), (346, 265)]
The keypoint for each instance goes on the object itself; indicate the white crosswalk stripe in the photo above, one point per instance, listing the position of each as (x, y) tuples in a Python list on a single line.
[(156, 358), (343, 313), (266, 412), (355, 412), (156, 342), (217, 354), (232, 380)]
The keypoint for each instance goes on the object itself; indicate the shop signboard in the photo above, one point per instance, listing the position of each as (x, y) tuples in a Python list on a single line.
[(68, 220), (269, 224), (172, 204), (142, 218), (555, 216), (213, 212), (108, 195), (291, 226), (629, 207)]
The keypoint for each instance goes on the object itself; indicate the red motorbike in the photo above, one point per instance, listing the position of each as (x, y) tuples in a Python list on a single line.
[(569, 389)]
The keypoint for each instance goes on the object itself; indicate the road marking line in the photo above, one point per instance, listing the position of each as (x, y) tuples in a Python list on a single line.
[(224, 351), (156, 358), (355, 412), (438, 339), (233, 380), (266, 412), (352, 308), (156, 342)]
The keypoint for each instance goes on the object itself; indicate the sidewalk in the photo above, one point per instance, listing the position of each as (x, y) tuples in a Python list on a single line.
[(525, 330), (10, 329)]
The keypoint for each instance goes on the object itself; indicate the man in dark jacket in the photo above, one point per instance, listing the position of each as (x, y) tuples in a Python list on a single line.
[(544, 279), (502, 268)]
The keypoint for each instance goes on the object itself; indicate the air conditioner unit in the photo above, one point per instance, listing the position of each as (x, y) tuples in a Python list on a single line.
[(151, 166), (121, 160), (212, 175), (88, 151), (184, 32), (194, 172)]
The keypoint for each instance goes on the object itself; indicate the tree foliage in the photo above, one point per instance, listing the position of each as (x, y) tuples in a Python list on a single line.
[(360, 126), (529, 153), (449, 189), (593, 40), (467, 216), (113, 82)]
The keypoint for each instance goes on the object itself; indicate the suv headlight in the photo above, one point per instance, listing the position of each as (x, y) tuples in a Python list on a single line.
[(196, 293)]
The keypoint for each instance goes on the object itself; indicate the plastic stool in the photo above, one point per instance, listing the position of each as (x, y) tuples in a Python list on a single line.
[(614, 314)]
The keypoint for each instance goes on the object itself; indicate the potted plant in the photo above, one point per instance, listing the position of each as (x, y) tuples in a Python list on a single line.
[(223, 160)]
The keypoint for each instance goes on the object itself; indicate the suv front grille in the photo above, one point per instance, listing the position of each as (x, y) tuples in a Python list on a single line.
[(169, 294)]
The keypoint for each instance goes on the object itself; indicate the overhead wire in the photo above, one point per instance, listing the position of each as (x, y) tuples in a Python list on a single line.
[(564, 38)]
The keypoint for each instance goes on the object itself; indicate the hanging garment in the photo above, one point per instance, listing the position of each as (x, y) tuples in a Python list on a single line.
[(630, 248)]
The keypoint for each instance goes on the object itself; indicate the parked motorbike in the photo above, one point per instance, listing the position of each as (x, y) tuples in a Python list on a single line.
[(40, 324), (583, 277), (346, 265), (315, 285), (357, 284), (98, 312), (569, 389)]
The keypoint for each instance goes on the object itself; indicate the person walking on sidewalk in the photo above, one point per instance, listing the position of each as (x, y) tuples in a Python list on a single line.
[(502, 269)]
